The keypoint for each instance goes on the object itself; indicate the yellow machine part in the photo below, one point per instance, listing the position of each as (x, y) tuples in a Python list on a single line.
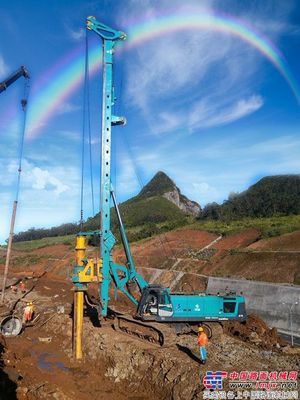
[(78, 324), (87, 270), (91, 272), (80, 249)]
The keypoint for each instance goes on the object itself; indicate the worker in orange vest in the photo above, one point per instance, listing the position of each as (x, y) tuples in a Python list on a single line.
[(202, 343), (28, 313)]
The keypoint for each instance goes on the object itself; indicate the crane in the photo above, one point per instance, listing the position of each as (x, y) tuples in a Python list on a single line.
[(22, 71), (157, 309)]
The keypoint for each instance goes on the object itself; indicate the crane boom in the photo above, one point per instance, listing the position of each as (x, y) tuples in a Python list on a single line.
[(22, 71)]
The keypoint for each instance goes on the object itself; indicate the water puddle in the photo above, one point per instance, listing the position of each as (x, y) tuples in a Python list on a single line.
[(46, 361)]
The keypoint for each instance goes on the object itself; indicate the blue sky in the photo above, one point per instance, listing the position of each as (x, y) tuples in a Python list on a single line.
[(204, 106)]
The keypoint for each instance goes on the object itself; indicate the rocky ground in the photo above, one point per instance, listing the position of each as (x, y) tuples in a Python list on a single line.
[(38, 364)]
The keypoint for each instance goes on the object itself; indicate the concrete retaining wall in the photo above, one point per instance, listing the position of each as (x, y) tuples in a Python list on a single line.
[(265, 300)]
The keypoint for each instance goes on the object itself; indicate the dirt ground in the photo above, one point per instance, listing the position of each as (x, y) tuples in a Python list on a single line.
[(287, 242), (240, 255), (38, 364)]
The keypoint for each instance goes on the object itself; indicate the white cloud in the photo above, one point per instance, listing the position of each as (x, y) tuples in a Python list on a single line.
[(42, 179), (49, 195), (70, 134), (67, 108), (206, 115), (76, 35), (203, 187), (203, 191), (167, 122), (149, 9), (95, 141), (36, 178), (200, 76), (34, 126), (172, 66), (4, 70)]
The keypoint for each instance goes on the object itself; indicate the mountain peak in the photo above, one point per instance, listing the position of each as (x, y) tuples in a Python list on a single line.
[(162, 185), (158, 185)]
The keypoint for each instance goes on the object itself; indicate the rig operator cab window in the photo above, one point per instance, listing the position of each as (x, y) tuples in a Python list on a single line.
[(229, 306), (159, 304)]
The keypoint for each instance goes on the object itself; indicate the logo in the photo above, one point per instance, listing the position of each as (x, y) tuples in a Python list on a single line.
[(197, 307), (214, 380), (252, 385)]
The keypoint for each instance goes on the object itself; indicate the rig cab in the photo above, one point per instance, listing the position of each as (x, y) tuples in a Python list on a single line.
[(158, 304)]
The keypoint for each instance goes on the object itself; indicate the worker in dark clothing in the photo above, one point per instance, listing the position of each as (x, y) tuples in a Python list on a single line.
[(202, 343)]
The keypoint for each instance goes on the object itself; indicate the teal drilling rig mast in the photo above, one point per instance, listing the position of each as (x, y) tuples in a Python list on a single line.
[(110, 37)]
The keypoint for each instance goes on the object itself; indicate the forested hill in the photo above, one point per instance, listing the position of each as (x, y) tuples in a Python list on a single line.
[(272, 195)]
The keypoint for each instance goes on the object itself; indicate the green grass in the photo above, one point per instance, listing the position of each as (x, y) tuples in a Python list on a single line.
[(30, 245), (269, 227)]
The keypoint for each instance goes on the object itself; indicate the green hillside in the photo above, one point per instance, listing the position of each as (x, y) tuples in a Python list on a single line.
[(141, 211), (268, 227), (144, 217)]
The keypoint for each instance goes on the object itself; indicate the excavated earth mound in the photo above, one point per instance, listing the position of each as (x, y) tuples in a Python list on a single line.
[(255, 330)]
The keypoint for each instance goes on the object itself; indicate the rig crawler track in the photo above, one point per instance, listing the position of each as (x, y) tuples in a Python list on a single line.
[(158, 334), (154, 333)]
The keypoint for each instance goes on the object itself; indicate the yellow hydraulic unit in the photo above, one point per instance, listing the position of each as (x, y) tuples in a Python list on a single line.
[(85, 271)]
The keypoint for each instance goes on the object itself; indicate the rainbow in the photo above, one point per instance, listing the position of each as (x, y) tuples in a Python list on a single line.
[(68, 74), (50, 99)]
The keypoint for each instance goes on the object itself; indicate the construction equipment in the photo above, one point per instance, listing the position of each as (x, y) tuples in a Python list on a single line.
[(22, 71), (155, 304)]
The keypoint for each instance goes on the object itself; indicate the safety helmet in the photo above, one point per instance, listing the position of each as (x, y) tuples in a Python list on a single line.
[(200, 329)]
